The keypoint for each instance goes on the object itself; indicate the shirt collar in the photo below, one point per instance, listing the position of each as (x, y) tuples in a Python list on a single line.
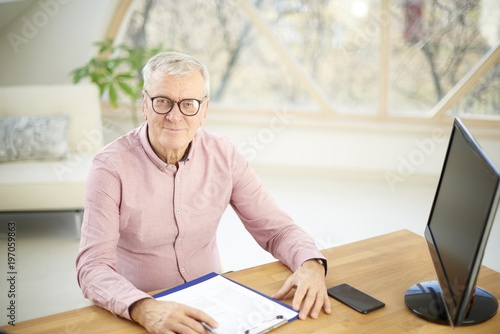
[(143, 134)]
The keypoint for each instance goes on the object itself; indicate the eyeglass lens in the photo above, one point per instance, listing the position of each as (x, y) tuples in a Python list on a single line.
[(163, 105)]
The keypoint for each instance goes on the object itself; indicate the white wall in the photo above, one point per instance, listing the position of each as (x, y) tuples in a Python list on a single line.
[(392, 153), (49, 38)]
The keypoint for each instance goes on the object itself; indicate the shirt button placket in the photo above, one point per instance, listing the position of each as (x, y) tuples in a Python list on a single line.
[(177, 179), (178, 212)]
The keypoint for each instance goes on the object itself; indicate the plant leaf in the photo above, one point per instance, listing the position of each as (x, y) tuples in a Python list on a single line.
[(132, 93), (113, 96)]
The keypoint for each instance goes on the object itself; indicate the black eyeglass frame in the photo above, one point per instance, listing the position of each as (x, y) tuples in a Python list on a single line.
[(174, 103)]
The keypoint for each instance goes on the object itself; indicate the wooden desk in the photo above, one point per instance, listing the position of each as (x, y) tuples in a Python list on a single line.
[(383, 266)]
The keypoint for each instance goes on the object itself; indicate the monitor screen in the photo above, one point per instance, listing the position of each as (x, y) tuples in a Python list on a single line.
[(459, 224)]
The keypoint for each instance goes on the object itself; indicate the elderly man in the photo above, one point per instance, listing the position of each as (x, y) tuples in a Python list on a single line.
[(155, 198)]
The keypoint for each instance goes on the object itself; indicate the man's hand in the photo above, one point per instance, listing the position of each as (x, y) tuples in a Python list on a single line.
[(310, 295), (170, 317)]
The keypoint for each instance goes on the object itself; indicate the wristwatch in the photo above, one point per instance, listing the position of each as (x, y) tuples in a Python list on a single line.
[(323, 263)]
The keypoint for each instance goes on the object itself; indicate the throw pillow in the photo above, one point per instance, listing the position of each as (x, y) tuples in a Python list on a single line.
[(33, 138)]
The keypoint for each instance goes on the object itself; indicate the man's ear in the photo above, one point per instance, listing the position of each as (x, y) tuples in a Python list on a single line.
[(144, 106)]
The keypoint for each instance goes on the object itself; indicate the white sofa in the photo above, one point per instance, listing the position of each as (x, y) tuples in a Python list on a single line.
[(52, 185)]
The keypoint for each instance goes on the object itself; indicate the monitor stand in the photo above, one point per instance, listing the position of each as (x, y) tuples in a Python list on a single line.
[(424, 299)]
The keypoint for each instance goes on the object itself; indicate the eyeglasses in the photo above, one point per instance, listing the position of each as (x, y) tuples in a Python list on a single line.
[(162, 105)]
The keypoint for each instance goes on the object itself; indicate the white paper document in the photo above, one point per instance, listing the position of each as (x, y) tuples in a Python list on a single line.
[(237, 309)]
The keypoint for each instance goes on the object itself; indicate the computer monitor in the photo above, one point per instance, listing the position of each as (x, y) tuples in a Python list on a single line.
[(459, 224)]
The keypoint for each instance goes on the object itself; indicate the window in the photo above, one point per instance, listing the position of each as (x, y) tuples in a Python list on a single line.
[(434, 44), (367, 58)]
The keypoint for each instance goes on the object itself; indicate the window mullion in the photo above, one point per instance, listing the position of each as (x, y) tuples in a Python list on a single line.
[(385, 54), (467, 82)]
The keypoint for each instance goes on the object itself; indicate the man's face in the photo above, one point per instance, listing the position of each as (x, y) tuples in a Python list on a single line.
[(171, 134)]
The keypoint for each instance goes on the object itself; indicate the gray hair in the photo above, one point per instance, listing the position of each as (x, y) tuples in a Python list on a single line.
[(175, 64)]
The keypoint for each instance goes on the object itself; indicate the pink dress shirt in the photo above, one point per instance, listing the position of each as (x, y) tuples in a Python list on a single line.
[(148, 225)]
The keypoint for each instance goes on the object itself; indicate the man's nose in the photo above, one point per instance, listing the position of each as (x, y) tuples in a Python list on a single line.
[(175, 113)]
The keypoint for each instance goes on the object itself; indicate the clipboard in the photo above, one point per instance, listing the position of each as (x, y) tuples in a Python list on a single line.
[(237, 308)]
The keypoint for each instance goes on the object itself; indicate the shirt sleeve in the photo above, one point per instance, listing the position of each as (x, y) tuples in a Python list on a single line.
[(272, 228), (97, 257)]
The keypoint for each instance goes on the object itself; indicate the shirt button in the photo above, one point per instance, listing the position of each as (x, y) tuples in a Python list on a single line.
[(178, 211), (183, 270), (179, 239), (177, 179)]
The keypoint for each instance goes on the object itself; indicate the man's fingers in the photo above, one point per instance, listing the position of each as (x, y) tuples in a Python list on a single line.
[(316, 308), (197, 316), (301, 300), (327, 305), (305, 300), (285, 289)]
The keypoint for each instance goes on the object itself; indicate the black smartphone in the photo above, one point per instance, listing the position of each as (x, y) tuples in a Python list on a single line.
[(355, 298)]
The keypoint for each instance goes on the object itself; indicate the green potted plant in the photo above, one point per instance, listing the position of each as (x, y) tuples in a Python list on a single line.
[(116, 69)]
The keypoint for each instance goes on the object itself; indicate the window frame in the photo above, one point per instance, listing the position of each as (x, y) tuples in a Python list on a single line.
[(327, 115)]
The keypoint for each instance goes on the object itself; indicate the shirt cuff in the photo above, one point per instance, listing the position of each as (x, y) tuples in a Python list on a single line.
[(132, 302)]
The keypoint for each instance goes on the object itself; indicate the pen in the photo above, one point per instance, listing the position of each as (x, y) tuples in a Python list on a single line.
[(207, 327)]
